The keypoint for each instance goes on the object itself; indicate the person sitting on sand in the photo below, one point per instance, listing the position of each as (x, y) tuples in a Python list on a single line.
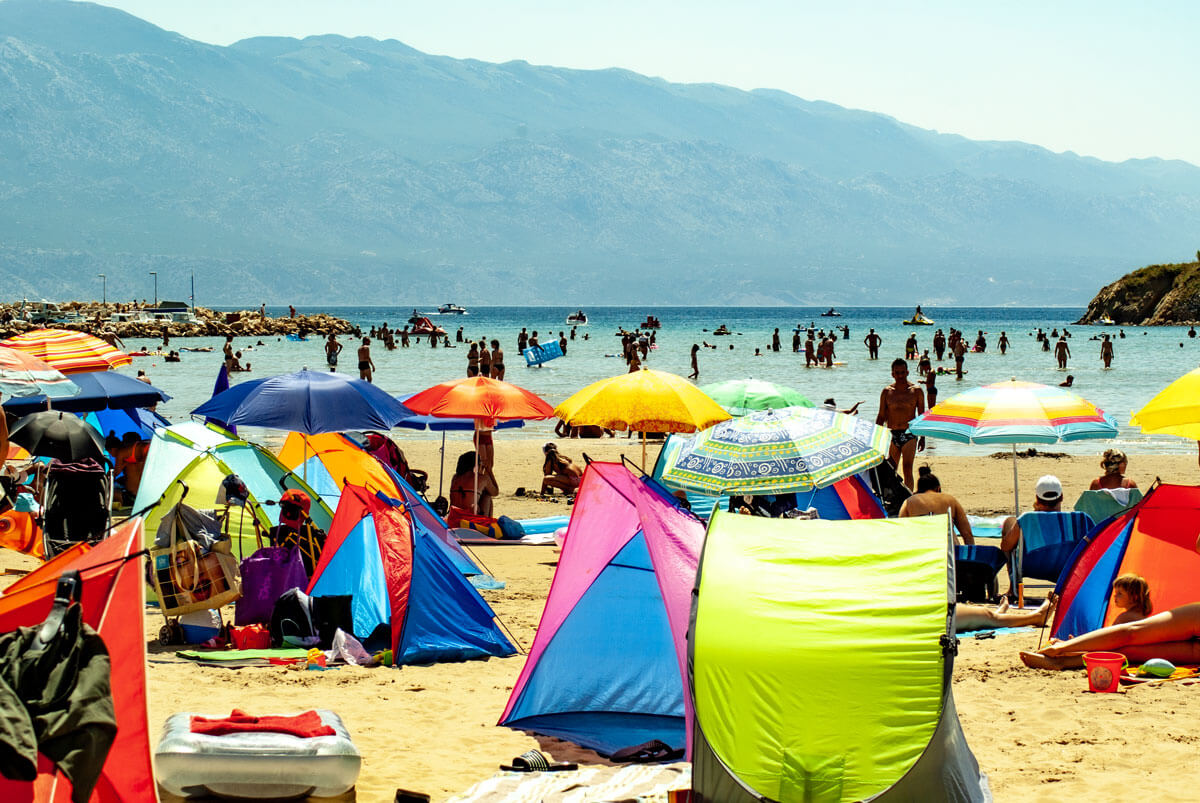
[(1047, 497), (980, 617), (463, 494), (1114, 463), (929, 500), (559, 471), (1131, 593)]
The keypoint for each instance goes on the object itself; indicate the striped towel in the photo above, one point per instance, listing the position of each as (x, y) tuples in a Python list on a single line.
[(643, 783)]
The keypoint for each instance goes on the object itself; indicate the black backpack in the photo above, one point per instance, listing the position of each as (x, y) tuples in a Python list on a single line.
[(292, 622)]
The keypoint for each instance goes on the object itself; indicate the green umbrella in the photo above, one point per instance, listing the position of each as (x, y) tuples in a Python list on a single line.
[(744, 396)]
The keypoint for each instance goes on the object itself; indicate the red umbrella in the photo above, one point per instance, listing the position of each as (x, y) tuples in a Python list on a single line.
[(487, 401), (480, 398)]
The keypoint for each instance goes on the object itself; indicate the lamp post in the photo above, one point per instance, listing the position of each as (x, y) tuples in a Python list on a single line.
[(103, 289), (154, 273)]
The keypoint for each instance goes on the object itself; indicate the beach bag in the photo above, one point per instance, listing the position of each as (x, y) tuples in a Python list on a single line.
[(458, 518), (291, 620), (250, 637), (266, 575), (185, 574)]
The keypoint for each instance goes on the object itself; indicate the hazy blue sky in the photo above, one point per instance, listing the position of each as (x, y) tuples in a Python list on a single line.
[(1104, 78)]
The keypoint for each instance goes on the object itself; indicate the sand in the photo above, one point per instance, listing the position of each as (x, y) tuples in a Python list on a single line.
[(1038, 735)]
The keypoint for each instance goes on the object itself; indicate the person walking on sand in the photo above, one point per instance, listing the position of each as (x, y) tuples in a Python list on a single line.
[(695, 374), (1106, 351), (1061, 352), (365, 364), (899, 403), (872, 341)]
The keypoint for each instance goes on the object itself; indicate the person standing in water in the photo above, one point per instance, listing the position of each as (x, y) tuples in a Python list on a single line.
[(1106, 350), (1003, 342), (695, 374), (332, 349), (365, 364), (1062, 352), (872, 341)]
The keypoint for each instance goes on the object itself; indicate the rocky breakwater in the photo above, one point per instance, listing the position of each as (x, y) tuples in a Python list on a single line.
[(128, 321), (1156, 295)]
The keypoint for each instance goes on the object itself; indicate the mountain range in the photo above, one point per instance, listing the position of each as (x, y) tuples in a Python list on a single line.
[(353, 171)]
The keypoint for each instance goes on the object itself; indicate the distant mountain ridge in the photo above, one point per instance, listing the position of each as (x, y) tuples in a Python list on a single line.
[(342, 170)]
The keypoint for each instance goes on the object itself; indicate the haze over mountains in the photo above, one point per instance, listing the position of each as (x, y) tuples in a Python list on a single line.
[(334, 170)]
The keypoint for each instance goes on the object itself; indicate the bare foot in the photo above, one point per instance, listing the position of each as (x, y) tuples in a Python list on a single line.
[(1036, 660), (1003, 606), (1047, 608)]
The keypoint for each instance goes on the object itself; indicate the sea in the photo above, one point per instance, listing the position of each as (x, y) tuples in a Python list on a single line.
[(1146, 358)]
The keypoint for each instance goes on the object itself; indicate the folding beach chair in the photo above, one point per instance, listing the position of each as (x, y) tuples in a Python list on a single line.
[(976, 570), (1047, 540)]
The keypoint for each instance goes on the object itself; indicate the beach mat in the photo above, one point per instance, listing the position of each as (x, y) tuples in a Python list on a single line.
[(593, 784), (241, 659), (1000, 631)]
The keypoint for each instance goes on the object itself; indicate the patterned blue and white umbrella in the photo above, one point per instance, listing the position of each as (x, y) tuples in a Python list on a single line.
[(773, 451)]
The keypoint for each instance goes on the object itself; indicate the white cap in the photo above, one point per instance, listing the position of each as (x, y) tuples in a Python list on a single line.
[(1048, 489)]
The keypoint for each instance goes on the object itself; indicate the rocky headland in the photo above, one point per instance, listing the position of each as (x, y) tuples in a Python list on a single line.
[(130, 320), (1156, 295)]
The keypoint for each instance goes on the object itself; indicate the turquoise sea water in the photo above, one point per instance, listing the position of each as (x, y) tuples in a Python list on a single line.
[(1147, 359)]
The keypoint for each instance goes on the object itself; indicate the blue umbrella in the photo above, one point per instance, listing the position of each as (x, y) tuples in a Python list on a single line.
[(98, 390), (306, 401)]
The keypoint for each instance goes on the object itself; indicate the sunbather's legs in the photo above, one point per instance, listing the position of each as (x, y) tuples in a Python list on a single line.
[(1177, 652), (1177, 625), (980, 617)]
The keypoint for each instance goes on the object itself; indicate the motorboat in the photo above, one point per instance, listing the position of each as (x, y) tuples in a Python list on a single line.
[(451, 309), (831, 313), (722, 330), (919, 320), (1106, 321), (577, 318)]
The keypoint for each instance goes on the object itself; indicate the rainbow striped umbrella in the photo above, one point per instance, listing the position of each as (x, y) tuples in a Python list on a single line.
[(1015, 412), (69, 352), (24, 375)]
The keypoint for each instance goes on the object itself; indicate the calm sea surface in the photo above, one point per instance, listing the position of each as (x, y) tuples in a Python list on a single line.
[(1146, 359)]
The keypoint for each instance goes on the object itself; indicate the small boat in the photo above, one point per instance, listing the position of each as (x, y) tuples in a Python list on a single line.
[(577, 318), (451, 309), (424, 326), (722, 330), (1106, 321), (919, 320), (831, 313), (650, 323)]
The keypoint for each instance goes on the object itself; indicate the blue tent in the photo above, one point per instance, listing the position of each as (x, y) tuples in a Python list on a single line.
[(403, 583)]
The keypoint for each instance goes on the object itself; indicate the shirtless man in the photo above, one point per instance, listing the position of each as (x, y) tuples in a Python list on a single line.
[(365, 364), (929, 500), (899, 404), (872, 342)]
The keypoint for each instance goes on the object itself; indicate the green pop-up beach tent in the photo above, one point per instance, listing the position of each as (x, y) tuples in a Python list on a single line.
[(820, 655)]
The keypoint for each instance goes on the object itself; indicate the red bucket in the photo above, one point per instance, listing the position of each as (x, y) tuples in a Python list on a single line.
[(1104, 670)]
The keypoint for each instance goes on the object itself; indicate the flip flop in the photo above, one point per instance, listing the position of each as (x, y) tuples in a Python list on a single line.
[(647, 753), (535, 761)]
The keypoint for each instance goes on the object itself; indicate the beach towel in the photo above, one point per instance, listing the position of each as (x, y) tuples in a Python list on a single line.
[(639, 782), (305, 726)]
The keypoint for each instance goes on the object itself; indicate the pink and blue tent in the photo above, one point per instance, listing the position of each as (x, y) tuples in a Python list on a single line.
[(608, 666), (403, 584)]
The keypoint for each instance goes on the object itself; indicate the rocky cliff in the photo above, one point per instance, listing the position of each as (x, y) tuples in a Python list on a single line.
[(1150, 296)]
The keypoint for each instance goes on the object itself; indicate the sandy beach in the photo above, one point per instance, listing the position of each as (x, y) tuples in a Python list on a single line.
[(1040, 736)]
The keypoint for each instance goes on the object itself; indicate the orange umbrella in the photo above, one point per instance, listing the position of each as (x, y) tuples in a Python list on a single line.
[(480, 398), (69, 352)]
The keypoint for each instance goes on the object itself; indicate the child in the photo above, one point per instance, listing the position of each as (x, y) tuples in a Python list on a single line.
[(1131, 593)]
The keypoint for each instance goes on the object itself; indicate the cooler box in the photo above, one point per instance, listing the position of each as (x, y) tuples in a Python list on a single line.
[(262, 766)]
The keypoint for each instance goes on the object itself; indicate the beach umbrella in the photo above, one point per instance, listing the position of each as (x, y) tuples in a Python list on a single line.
[(1014, 412), (55, 434), (68, 351), (306, 401), (484, 401), (98, 390), (24, 375), (642, 401), (776, 451), (743, 396), (444, 425), (1175, 410)]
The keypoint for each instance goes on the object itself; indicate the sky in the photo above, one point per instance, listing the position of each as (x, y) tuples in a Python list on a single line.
[(1114, 80)]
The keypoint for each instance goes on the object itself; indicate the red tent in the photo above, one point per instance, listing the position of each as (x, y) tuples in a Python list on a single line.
[(112, 599)]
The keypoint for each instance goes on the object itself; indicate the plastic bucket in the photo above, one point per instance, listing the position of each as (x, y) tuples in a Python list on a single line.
[(1103, 670)]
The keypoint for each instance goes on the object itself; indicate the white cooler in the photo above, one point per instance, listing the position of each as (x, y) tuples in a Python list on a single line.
[(255, 765)]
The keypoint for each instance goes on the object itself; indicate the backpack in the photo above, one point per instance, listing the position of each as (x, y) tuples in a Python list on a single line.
[(291, 620)]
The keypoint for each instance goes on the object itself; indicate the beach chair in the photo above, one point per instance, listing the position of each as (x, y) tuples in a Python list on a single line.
[(976, 571), (1101, 505), (1047, 540)]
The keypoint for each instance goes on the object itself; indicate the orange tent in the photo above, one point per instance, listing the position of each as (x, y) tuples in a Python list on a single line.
[(112, 600)]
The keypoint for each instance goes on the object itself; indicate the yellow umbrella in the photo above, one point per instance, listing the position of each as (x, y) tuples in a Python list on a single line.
[(1174, 411), (642, 401)]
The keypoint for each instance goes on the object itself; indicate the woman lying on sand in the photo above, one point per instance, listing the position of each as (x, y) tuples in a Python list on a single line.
[(1173, 634), (981, 617)]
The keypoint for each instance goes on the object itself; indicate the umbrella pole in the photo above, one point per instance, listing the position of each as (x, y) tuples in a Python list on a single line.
[(1017, 512), (643, 452), (442, 471)]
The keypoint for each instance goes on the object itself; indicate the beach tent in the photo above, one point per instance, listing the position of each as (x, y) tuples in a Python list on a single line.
[(112, 599), (199, 457), (329, 461), (820, 663), (403, 583), (851, 498), (1156, 538), (607, 667)]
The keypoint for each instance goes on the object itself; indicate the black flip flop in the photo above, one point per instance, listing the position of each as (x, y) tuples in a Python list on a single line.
[(535, 761), (647, 753)]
